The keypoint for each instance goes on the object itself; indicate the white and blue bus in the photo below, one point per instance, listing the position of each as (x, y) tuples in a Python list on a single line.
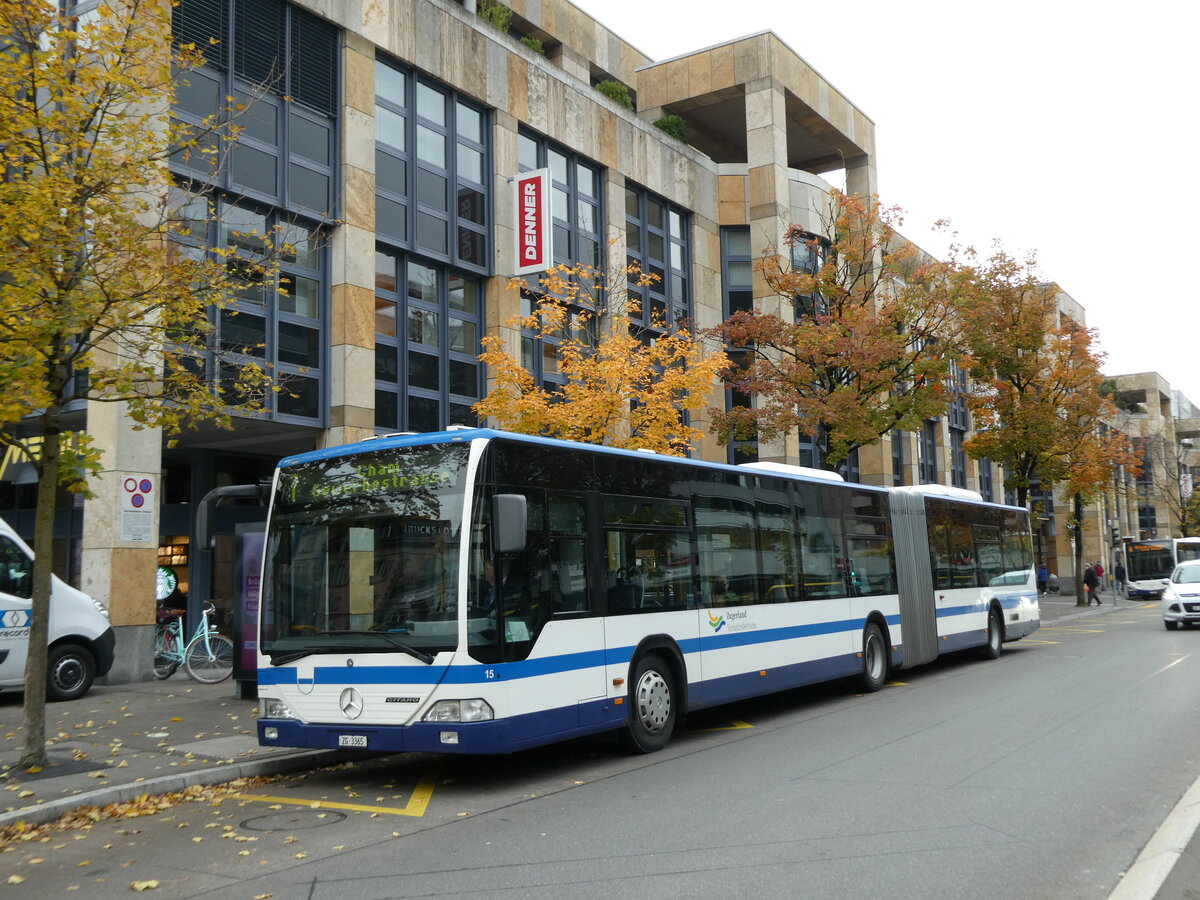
[(1149, 564), (473, 591)]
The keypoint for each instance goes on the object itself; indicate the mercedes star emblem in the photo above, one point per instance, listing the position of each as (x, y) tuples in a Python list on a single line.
[(351, 703)]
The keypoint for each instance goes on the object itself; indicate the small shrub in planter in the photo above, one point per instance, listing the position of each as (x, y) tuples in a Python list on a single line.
[(494, 13), (672, 125), (614, 90), (533, 44)]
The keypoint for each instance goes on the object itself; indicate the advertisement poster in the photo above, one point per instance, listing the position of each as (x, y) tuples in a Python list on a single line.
[(250, 553)]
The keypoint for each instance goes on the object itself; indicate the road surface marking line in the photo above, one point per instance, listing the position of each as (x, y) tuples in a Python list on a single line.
[(418, 801), (1154, 864), (735, 726)]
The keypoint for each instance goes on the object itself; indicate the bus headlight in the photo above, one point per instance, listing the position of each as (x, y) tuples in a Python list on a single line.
[(274, 709), (474, 710)]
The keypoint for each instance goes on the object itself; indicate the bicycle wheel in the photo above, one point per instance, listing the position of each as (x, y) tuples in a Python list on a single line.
[(209, 659), (165, 662)]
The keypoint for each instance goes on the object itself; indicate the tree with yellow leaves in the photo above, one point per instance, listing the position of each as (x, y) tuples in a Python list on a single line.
[(100, 299), (624, 385)]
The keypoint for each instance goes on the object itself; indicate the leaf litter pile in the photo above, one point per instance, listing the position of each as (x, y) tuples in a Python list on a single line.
[(79, 822)]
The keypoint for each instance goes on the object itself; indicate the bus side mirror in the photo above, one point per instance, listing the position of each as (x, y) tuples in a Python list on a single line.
[(509, 521)]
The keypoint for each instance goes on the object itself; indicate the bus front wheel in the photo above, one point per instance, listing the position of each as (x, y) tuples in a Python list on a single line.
[(874, 657), (652, 706), (995, 636)]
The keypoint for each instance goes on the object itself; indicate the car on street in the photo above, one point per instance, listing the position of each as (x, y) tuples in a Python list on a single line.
[(1181, 596)]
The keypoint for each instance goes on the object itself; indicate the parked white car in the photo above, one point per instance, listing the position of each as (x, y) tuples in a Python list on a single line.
[(81, 639), (1181, 596)]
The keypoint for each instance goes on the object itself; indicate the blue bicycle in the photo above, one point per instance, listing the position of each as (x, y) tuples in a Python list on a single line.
[(207, 657)]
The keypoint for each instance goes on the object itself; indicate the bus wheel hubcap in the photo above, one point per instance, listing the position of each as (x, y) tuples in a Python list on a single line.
[(654, 701)]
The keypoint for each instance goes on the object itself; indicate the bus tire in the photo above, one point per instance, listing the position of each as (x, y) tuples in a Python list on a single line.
[(875, 660), (652, 705), (69, 672), (995, 636)]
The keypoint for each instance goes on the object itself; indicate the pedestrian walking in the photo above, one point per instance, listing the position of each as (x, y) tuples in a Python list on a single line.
[(1119, 574), (1099, 577), (1043, 577), (1090, 582)]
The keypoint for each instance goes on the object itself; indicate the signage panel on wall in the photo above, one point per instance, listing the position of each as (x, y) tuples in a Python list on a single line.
[(533, 225), (137, 509)]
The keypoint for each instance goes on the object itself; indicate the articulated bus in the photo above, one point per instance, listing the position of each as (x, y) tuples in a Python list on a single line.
[(472, 591), (1149, 564)]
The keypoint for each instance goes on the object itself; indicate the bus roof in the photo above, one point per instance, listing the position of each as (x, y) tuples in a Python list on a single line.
[(462, 434)]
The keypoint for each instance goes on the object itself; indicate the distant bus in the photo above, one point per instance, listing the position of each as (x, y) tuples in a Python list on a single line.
[(472, 591), (1148, 564)]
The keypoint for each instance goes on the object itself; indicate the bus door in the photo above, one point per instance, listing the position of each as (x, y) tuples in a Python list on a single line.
[(649, 580)]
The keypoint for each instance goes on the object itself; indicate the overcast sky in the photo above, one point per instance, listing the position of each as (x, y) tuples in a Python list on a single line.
[(1061, 126)]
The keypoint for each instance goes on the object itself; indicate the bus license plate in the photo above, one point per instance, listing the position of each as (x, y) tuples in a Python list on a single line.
[(352, 740)]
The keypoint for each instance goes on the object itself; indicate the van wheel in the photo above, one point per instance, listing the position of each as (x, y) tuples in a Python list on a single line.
[(69, 672), (875, 661), (652, 706)]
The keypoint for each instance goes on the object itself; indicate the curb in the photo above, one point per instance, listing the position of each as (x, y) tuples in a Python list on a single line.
[(166, 784)]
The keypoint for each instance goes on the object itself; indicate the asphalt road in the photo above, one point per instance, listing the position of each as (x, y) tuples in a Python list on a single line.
[(1038, 775)]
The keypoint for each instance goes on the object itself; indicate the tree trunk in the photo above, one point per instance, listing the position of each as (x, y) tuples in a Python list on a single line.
[(39, 626)]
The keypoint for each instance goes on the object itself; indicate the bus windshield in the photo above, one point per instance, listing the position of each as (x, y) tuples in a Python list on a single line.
[(363, 553), (1149, 561)]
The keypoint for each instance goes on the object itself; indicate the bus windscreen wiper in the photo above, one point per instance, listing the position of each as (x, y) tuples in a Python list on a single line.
[(390, 641)]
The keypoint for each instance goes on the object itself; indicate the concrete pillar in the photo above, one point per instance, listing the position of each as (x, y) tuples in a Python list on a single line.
[(120, 553), (861, 178), (352, 249), (769, 208)]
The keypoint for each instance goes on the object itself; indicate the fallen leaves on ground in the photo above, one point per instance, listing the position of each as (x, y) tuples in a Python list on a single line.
[(145, 805)]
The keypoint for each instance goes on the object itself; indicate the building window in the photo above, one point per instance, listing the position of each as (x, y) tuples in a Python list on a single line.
[(278, 65), (577, 212), (986, 483), (432, 168), (428, 322), (898, 441), (958, 459), (737, 295), (658, 242), (1147, 520), (275, 323), (576, 205), (808, 255), (927, 452)]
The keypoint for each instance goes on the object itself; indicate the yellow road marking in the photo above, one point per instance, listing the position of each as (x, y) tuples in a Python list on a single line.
[(735, 726), (1038, 641), (895, 683), (417, 801)]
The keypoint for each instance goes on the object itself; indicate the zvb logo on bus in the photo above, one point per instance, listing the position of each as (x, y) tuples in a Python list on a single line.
[(738, 620)]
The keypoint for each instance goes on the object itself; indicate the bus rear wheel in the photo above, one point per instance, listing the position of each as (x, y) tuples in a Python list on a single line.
[(874, 657), (652, 706)]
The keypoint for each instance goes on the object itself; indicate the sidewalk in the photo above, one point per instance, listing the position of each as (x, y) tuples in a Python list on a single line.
[(122, 741)]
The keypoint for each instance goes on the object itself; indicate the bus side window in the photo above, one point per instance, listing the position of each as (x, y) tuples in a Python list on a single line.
[(568, 554), (727, 551)]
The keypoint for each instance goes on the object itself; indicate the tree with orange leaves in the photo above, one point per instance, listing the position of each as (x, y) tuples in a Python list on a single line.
[(624, 385), (861, 351), (1036, 399)]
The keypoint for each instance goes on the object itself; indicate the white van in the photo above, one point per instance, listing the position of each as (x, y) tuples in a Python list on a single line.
[(81, 638)]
